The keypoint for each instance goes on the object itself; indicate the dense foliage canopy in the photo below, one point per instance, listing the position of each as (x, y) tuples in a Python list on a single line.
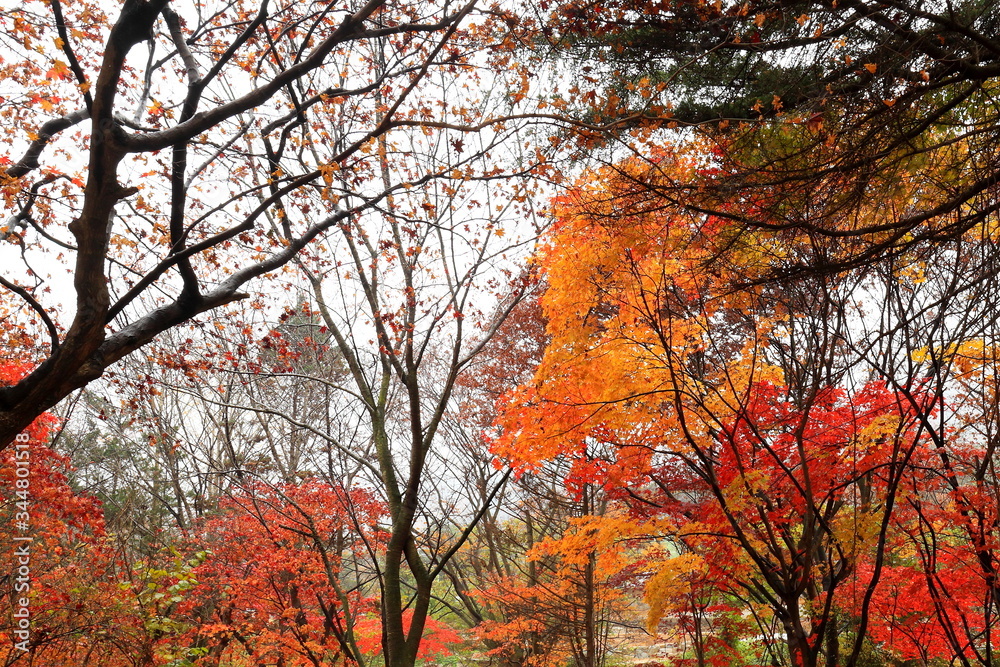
[(393, 333)]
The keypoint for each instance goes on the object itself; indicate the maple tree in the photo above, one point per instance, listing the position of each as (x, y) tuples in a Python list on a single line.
[(272, 585), (70, 572), (534, 599), (526, 607), (362, 393), (419, 295), (170, 155), (944, 538), (735, 419)]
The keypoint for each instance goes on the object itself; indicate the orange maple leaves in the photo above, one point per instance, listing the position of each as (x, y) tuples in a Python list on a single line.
[(695, 393)]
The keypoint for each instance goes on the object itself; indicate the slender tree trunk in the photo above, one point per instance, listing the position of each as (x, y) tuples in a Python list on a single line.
[(589, 617), (699, 638)]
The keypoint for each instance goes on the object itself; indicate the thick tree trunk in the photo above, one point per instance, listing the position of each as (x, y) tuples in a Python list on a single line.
[(832, 642), (801, 651)]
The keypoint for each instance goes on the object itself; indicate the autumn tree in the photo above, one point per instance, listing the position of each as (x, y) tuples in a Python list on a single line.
[(937, 343), (528, 606), (405, 317), (847, 141), (170, 155), (270, 585), (70, 595), (356, 386), (789, 421), (550, 587)]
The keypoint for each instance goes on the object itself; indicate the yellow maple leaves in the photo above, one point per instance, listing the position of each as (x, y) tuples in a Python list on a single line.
[(615, 543), (668, 586)]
